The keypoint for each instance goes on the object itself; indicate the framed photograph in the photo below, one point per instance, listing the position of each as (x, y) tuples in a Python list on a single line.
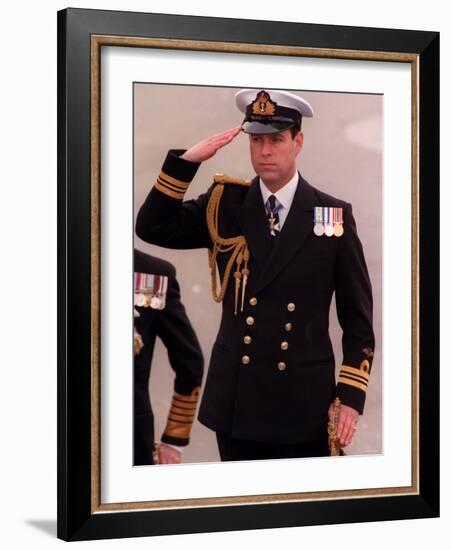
[(141, 98)]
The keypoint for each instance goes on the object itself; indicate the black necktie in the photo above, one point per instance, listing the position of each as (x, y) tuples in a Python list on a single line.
[(273, 217)]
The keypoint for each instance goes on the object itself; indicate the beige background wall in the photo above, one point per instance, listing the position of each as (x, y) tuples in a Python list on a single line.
[(342, 156)]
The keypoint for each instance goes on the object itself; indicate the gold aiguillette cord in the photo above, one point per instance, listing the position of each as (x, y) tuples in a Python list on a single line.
[(237, 276), (245, 275), (236, 245)]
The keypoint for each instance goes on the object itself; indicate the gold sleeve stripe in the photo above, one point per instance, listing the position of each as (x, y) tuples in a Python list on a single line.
[(182, 414), (186, 400), (357, 372), (356, 378), (354, 375), (176, 412), (171, 187), (177, 429), (169, 192), (185, 416), (182, 419), (353, 383), (189, 400), (174, 181), (176, 420), (179, 188), (175, 406)]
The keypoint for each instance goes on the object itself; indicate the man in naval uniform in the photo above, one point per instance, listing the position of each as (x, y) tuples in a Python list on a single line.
[(158, 311), (282, 248)]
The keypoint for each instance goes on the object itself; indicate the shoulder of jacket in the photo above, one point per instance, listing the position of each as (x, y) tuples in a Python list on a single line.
[(328, 200), (226, 179)]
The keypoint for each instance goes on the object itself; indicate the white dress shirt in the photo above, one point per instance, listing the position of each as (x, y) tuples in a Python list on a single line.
[(284, 196)]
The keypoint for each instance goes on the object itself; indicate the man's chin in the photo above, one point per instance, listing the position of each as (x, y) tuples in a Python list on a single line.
[(269, 174)]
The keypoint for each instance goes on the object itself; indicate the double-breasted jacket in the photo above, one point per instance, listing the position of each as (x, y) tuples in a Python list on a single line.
[(271, 376)]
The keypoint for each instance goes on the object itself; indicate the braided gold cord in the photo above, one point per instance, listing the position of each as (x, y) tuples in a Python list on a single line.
[(245, 273), (237, 245)]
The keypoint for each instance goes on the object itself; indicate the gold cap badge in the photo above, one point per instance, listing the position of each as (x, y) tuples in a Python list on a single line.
[(263, 105)]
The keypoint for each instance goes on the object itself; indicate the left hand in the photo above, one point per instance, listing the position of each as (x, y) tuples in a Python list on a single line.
[(168, 455), (347, 422)]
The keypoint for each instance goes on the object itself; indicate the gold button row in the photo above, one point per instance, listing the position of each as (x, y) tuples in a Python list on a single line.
[(253, 302), (250, 320), (247, 340), (246, 360)]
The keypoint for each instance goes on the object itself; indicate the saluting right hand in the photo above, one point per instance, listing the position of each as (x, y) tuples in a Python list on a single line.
[(208, 147)]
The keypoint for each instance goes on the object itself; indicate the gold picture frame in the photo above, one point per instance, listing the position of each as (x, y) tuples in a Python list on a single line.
[(81, 514)]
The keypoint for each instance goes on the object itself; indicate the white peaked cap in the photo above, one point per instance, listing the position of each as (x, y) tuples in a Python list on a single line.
[(271, 111)]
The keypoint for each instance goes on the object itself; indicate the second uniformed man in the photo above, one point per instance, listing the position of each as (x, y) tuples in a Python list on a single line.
[(282, 249), (159, 311)]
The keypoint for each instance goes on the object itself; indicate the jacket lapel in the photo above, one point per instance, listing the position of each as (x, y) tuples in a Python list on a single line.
[(298, 225), (253, 222)]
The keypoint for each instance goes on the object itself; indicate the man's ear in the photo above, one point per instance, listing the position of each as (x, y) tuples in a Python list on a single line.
[(299, 142)]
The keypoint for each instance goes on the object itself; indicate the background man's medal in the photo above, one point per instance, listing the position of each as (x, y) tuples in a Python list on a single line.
[(140, 299), (150, 290), (148, 299), (155, 302)]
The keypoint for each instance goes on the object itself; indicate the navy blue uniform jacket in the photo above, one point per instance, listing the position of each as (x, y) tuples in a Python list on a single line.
[(271, 376)]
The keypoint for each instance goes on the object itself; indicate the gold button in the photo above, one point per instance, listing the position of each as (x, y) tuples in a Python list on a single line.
[(288, 327), (281, 366), (247, 339), (249, 320), (245, 359), (284, 345), (253, 301), (291, 306)]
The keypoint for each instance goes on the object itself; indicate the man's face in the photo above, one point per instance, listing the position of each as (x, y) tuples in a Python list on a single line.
[(273, 156)]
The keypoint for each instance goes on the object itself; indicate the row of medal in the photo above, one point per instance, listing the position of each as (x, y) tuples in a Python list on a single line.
[(150, 290), (328, 221)]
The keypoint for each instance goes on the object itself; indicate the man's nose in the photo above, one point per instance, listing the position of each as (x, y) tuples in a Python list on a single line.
[(266, 148)]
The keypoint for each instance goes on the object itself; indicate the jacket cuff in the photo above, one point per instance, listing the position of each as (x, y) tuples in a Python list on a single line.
[(180, 418), (354, 377), (176, 174)]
